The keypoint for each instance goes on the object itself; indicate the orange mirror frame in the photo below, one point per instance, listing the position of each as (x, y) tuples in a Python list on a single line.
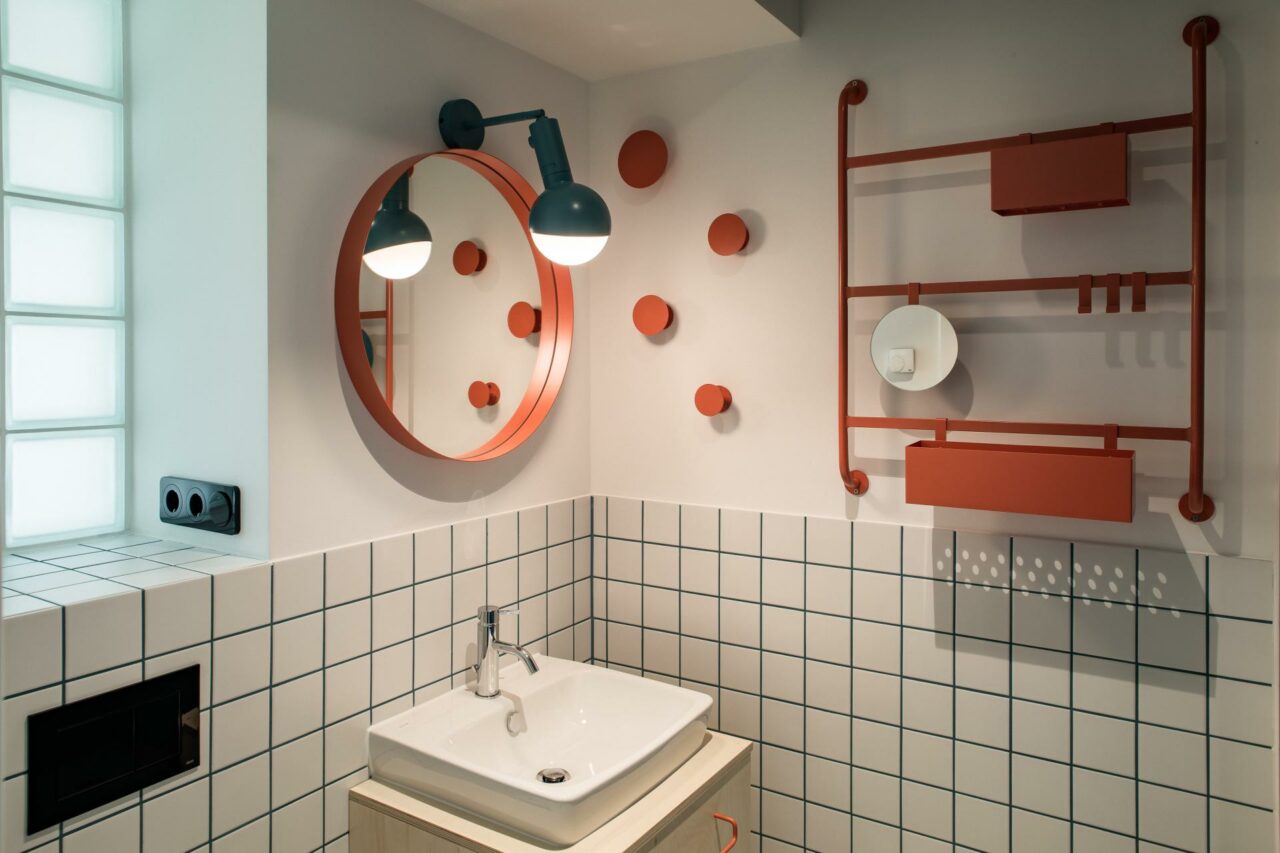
[(555, 286)]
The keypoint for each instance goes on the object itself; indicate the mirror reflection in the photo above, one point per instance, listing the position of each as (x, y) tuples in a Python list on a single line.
[(439, 341)]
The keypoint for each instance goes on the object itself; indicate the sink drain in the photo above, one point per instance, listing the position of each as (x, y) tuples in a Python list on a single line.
[(553, 775)]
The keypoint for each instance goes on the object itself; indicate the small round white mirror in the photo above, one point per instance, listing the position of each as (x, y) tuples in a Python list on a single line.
[(914, 347)]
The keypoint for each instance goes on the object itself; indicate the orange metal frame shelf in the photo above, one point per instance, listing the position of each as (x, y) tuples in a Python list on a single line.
[(387, 314), (1195, 505)]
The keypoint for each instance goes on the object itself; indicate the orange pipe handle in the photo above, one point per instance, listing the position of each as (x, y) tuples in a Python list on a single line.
[(733, 842)]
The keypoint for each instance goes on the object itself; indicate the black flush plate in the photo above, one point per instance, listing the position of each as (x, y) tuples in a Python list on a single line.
[(91, 752), (200, 504)]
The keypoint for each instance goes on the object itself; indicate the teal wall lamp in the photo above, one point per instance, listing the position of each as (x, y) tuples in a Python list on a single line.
[(569, 221), (399, 242)]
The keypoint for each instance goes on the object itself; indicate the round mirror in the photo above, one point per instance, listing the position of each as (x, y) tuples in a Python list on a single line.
[(914, 347), (463, 356)]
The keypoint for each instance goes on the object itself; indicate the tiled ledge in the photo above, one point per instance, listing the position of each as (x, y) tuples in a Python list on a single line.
[(41, 576), (81, 608)]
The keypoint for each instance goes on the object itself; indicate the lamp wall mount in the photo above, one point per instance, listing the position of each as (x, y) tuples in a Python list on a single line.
[(569, 223), (462, 124)]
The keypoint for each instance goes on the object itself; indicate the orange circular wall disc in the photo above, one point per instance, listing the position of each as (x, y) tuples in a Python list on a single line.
[(728, 234), (468, 258), (642, 159), (712, 399), (651, 315), (523, 319), (482, 394)]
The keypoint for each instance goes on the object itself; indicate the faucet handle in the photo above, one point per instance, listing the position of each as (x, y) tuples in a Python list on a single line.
[(490, 611)]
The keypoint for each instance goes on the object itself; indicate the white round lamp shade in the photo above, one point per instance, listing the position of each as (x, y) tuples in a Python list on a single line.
[(914, 347), (396, 262), (568, 251)]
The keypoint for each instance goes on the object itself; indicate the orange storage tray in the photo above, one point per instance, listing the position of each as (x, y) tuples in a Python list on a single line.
[(1069, 174), (1072, 482)]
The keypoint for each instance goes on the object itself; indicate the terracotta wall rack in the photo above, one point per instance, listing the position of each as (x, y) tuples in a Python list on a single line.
[(388, 315), (1019, 478)]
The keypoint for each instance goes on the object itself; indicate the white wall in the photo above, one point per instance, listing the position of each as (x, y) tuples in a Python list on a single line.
[(198, 220), (354, 86), (756, 133)]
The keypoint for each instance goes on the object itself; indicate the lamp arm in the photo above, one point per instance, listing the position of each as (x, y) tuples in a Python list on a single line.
[(462, 125), (509, 118), (544, 139)]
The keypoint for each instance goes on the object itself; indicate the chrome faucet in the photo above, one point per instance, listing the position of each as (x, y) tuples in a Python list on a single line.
[(489, 648)]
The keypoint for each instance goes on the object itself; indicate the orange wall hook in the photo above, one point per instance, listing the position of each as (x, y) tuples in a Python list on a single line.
[(642, 159), (483, 394), (652, 315), (524, 320), (728, 234), (468, 258), (712, 400)]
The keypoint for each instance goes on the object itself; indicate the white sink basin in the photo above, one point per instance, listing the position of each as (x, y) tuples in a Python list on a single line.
[(617, 735)]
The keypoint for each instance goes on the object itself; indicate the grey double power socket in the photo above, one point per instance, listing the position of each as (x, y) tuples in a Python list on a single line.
[(200, 504)]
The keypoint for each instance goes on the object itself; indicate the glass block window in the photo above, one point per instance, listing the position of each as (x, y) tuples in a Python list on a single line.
[(78, 43), (62, 141), (61, 144), (65, 372), (60, 257), (59, 484)]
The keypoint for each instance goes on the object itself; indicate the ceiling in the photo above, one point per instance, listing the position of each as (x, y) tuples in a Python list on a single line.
[(597, 39)]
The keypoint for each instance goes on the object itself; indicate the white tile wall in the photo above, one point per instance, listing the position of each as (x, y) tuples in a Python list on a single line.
[(177, 605), (914, 689), (908, 689), (244, 600), (297, 658), (392, 563)]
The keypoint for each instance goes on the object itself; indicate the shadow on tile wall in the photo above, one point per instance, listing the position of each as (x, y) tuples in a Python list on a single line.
[(917, 688)]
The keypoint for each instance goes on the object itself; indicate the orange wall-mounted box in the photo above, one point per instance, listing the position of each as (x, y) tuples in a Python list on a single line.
[(1071, 482), (1069, 174)]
